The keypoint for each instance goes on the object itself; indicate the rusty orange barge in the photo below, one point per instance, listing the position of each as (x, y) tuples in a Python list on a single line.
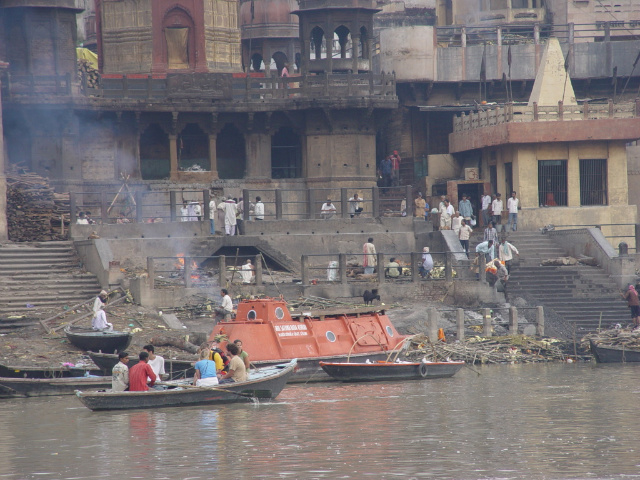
[(272, 334)]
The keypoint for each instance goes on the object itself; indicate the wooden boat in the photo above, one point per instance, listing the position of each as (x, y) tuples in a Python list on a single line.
[(107, 341), (174, 368), (263, 384), (17, 371), (392, 371), (41, 387), (613, 353), (272, 334)]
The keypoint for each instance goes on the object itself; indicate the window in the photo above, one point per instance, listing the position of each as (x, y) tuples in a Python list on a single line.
[(593, 182), (552, 183)]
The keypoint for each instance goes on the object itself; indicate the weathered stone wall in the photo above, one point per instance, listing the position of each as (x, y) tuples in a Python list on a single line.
[(127, 42), (222, 35)]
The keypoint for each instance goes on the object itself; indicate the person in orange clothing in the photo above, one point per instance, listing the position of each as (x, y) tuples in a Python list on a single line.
[(139, 373)]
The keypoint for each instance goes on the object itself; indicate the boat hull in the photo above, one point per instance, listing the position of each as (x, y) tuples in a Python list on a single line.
[(98, 341), (388, 371), (11, 371), (176, 369), (265, 384), (42, 387), (613, 354)]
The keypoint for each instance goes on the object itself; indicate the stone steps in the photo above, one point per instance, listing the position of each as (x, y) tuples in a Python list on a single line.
[(42, 276)]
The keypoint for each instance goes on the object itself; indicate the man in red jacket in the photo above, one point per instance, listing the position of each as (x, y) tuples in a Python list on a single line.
[(139, 373)]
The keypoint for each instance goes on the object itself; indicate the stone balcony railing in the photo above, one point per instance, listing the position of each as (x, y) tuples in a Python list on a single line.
[(489, 115)]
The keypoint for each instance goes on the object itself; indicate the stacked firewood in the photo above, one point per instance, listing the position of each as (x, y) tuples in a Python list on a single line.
[(88, 73), (32, 209)]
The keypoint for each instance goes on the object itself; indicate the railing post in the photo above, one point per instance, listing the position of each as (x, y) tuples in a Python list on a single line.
[(536, 33), (103, 209), (432, 321), (172, 206), (535, 111), (407, 196), (149, 85), (258, 262), (311, 214), (151, 271), (540, 321), (487, 329), (246, 205), (637, 107), (371, 83), (72, 207), (585, 110), (380, 258), (513, 321), (138, 197), (342, 261), (415, 259), (460, 324), (463, 37), (560, 110), (304, 270), (572, 31), (610, 108), (205, 199), (222, 271), (448, 270), (278, 204), (187, 272), (375, 202), (344, 202), (607, 31)]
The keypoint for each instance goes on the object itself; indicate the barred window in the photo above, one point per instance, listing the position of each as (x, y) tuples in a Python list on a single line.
[(552, 183), (593, 182)]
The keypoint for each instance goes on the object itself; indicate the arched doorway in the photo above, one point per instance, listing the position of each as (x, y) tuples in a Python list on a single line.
[(343, 37), (155, 163), (318, 44), (231, 153), (280, 60), (179, 40), (193, 149), (256, 62), (286, 154)]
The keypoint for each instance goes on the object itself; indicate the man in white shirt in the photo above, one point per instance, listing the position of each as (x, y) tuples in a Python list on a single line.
[(120, 373), (486, 203), (328, 209), (156, 362), (259, 209), (230, 213), (99, 321), (226, 306), (212, 216), (496, 209), (512, 206)]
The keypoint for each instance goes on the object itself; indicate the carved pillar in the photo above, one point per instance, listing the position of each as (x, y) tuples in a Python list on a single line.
[(213, 145), (355, 52), (173, 156)]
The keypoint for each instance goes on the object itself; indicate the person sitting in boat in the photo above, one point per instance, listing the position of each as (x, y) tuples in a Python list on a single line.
[(156, 362), (120, 373), (140, 373), (99, 321), (218, 356), (237, 371), (205, 375), (243, 355)]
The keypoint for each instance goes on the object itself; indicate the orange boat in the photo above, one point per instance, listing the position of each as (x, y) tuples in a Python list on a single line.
[(272, 334)]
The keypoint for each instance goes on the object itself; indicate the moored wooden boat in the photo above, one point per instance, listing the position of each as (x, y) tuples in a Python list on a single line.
[(41, 387), (271, 333), (107, 341), (604, 353), (390, 371), (174, 368), (263, 384), (19, 371)]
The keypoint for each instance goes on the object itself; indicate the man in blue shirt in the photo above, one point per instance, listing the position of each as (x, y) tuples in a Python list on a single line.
[(487, 249)]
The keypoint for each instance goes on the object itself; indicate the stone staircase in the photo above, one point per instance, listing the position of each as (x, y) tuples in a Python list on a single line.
[(39, 277), (581, 295)]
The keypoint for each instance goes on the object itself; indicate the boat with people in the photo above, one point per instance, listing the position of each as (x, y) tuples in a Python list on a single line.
[(272, 333), (43, 387), (262, 384), (174, 368), (390, 371), (106, 341), (608, 353)]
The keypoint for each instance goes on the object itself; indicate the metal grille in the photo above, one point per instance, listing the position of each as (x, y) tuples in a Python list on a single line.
[(593, 182), (552, 183)]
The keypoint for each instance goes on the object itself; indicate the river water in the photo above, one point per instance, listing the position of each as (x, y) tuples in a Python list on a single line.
[(510, 422)]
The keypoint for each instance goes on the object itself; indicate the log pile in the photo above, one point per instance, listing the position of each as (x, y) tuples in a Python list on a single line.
[(34, 211), (615, 337), (487, 350), (88, 74)]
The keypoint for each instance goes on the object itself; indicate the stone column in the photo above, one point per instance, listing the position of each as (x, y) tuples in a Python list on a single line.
[(460, 324), (173, 156), (487, 329), (432, 331), (513, 321), (213, 157)]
